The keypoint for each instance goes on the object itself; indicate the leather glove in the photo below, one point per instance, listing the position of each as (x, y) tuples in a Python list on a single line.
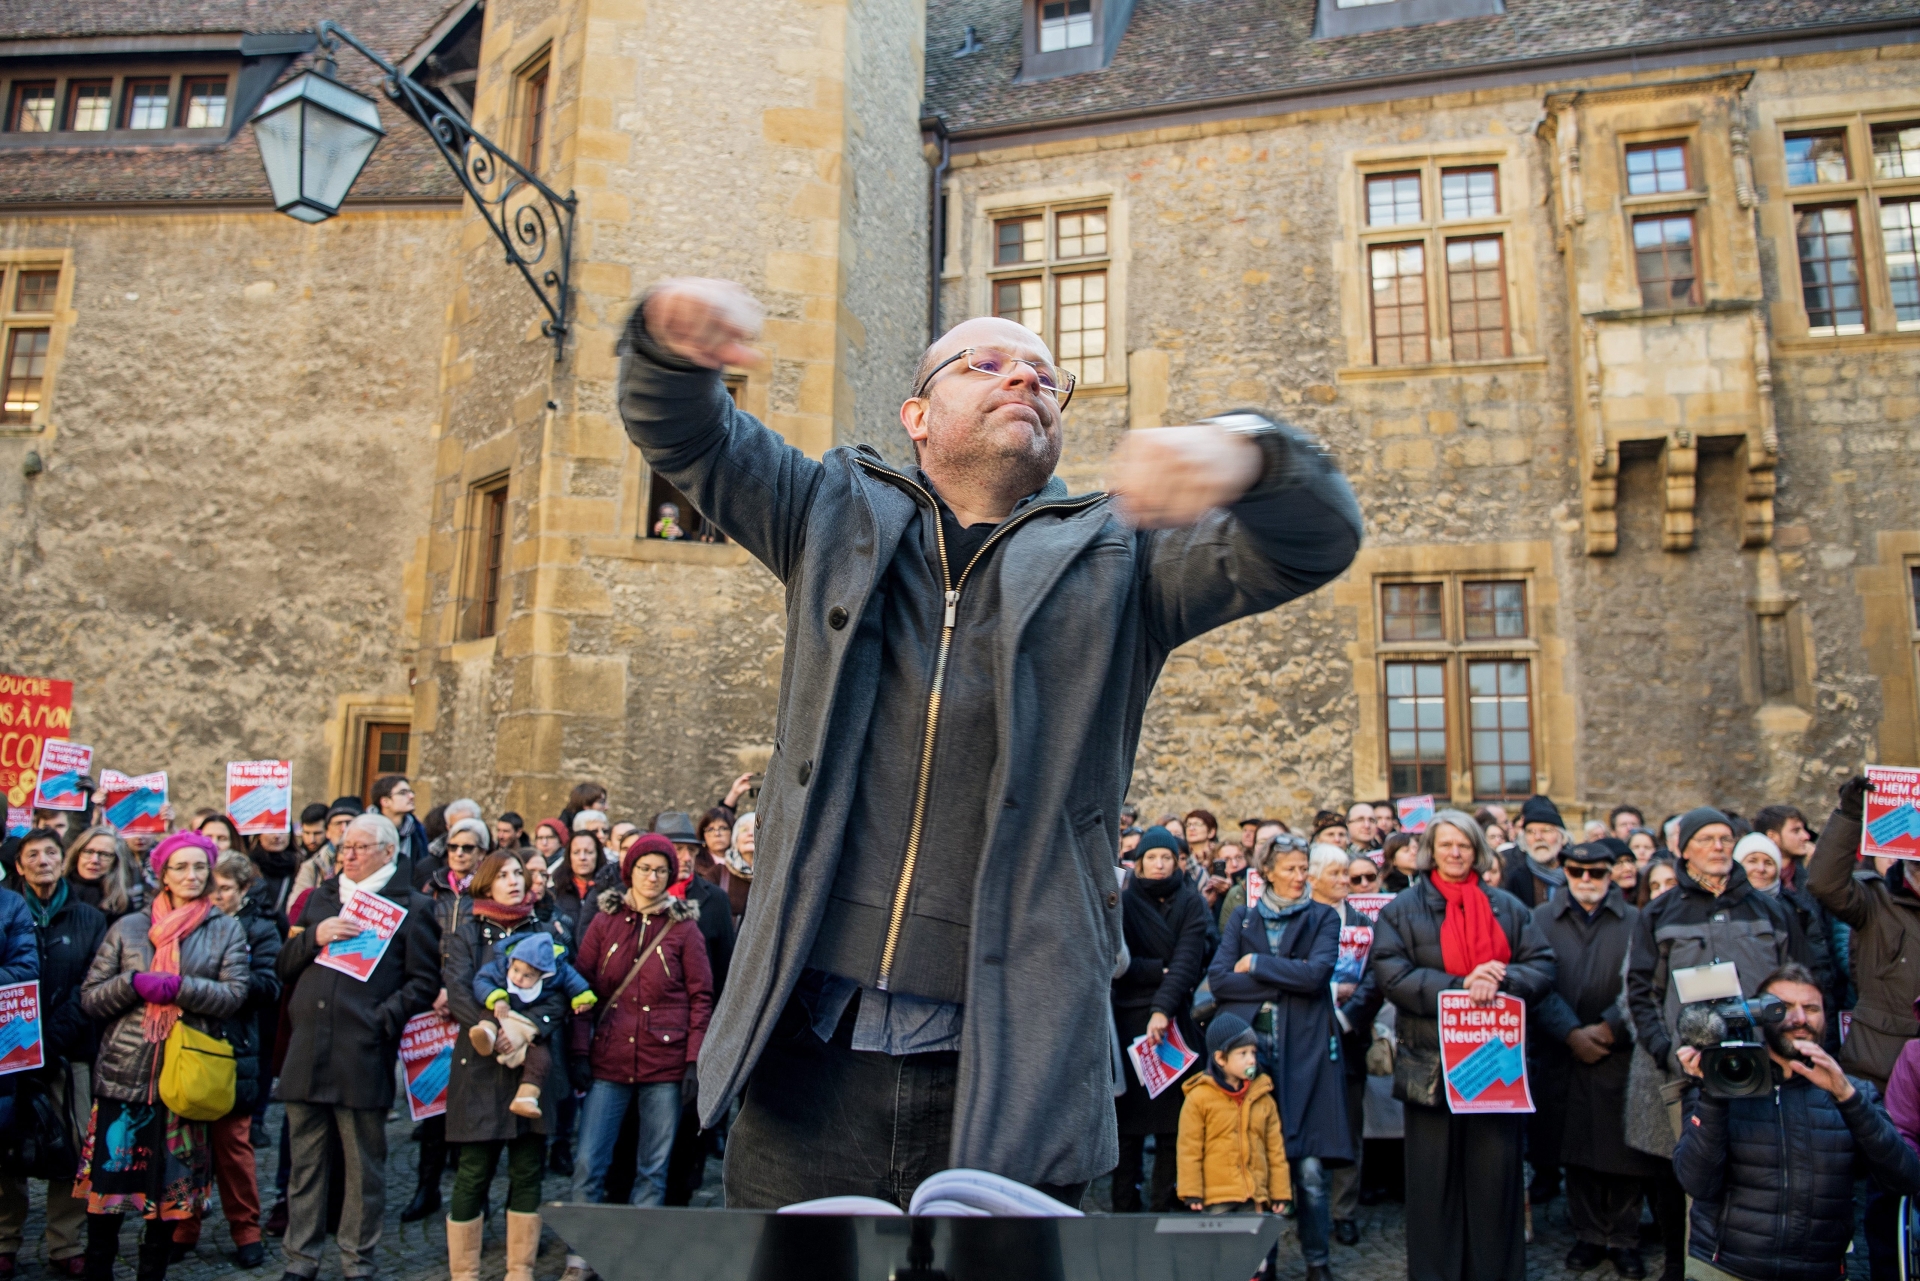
[(1853, 797), (156, 989)]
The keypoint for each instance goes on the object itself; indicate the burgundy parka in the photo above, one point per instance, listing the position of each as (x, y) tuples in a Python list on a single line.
[(652, 1032)]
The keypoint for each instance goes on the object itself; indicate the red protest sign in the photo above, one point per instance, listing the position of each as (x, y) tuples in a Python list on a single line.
[(260, 796), (426, 1057), (1483, 1053), (20, 1042), (1890, 827), (1370, 904), (33, 709), (378, 920), (134, 804), (62, 767)]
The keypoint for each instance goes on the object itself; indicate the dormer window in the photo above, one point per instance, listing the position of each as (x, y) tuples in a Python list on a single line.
[(1065, 24), (206, 104), (33, 108), (90, 105), (1336, 18)]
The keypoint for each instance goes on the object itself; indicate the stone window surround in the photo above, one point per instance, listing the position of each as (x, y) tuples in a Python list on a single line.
[(1512, 224), (529, 70), (636, 485), (1553, 713), (60, 321), (1693, 201), (978, 266), (346, 737), (473, 534), (1863, 192)]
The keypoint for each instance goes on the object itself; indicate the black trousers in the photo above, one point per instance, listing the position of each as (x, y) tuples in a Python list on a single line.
[(1549, 1120), (821, 1118), (1604, 1208), (1128, 1174), (1464, 1190)]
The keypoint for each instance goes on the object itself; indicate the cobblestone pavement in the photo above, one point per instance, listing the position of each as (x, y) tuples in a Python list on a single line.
[(419, 1250)]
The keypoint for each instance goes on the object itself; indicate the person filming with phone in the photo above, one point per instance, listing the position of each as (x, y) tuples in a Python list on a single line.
[(1771, 1171)]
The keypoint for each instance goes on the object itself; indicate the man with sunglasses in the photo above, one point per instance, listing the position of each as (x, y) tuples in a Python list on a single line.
[(969, 648), (1581, 1052)]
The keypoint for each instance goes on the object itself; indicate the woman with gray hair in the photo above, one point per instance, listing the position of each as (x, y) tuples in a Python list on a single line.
[(1445, 932)]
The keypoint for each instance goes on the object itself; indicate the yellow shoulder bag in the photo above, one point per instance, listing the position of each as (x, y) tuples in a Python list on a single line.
[(196, 1074)]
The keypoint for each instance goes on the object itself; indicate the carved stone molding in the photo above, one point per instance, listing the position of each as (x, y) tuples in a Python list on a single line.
[(1679, 463)]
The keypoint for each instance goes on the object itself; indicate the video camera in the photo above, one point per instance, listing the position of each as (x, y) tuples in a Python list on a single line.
[(1730, 1035)]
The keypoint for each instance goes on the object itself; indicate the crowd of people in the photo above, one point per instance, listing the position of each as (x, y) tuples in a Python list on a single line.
[(1318, 1019), (581, 959)]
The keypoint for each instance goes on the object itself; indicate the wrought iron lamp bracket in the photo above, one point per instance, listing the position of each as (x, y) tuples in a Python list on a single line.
[(529, 218)]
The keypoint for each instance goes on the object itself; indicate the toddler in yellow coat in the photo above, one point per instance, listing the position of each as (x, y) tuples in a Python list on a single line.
[(1232, 1153)]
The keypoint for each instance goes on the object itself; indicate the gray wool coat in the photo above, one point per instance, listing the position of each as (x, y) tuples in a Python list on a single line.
[(1090, 610)]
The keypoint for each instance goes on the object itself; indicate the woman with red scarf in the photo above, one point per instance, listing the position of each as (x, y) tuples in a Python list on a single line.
[(1449, 931), (480, 1087), (178, 959)]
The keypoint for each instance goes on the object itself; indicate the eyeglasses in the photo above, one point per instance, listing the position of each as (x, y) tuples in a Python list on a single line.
[(1587, 872), (1363, 878), (1288, 843), (467, 848), (357, 848), (652, 873), (1053, 380)]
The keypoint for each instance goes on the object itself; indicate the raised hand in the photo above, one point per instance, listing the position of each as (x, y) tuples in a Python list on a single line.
[(1169, 477), (706, 322)]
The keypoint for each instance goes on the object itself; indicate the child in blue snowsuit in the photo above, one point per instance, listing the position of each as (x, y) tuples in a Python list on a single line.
[(528, 988)]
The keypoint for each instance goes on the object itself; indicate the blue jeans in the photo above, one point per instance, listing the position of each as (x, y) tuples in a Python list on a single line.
[(600, 1117), (1312, 1209)]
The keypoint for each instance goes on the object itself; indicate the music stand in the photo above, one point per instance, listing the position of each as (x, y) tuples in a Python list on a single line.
[(652, 1243)]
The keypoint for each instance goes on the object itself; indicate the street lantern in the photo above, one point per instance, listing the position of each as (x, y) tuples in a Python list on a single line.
[(315, 135)]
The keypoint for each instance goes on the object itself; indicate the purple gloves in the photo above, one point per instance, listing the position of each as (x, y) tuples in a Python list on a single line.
[(156, 989)]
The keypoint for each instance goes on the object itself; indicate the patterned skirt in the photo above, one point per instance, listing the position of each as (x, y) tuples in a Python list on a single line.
[(141, 1159)]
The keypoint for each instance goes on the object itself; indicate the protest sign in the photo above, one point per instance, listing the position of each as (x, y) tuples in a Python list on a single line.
[(1891, 825), (1483, 1053), (1355, 942), (62, 766), (134, 804), (260, 796), (20, 1049), (33, 709), (1415, 812), (426, 1057), (1163, 1064), (1369, 904), (19, 820), (1256, 886), (378, 920)]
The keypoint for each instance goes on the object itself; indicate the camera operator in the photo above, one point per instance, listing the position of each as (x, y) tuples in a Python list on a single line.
[(1772, 1174)]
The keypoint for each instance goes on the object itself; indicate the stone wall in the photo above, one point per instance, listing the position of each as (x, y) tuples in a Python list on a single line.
[(236, 479)]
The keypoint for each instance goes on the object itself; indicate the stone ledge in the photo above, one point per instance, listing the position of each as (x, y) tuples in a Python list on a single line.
[(661, 550), (1443, 369), (1881, 340)]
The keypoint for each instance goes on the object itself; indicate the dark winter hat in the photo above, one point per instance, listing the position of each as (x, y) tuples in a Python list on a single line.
[(651, 843), (1157, 838), (347, 805), (1323, 819), (1228, 1032), (1541, 809), (536, 950), (1588, 852), (1619, 847), (1694, 819), (677, 826)]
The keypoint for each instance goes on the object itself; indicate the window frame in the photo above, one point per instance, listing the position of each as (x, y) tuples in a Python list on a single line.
[(1866, 191), (1687, 167), (72, 98), (536, 113), (117, 74), (1457, 654), (486, 601), (17, 101), (188, 82), (370, 753), (130, 85), (1697, 291), (1434, 232), (1051, 268), (55, 320), (1859, 270)]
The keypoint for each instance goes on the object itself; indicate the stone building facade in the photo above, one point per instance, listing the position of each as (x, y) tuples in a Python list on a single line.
[(1606, 310)]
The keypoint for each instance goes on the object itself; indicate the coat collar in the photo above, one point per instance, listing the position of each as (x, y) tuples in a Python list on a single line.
[(1562, 902)]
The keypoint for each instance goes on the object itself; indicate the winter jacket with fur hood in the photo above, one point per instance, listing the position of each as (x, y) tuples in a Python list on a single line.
[(652, 1032), (1231, 1149), (213, 987)]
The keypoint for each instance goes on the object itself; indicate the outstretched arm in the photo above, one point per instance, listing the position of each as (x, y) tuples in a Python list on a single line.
[(1241, 520), (742, 476)]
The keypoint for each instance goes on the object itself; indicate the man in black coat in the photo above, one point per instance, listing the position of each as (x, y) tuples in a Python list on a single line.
[(67, 933), (1772, 1175), (339, 1072), (1583, 1046)]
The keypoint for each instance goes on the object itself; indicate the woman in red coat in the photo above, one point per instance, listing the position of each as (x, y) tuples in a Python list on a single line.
[(647, 961)]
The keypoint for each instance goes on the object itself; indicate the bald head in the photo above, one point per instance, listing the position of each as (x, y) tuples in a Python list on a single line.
[(992, 437)]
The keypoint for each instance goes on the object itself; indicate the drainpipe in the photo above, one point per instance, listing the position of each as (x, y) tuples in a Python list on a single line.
[(938, 221)]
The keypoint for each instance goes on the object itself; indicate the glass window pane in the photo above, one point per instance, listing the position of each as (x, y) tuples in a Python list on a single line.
[(1019, 240), (1494, 611), (1081, 325), (1817, 157), (1656, 168), (207, 108), (1019, 301), (89, 105), (1830, 270), (1899, 223), (1065, 24), (24, 374), (1081, 234), (1477, 298), (1469, 193), (32, 108), (1502, 760), (1393, 199), (1663, 253), (36, 290), (1419, 757), (1411, 611), (1399, 300), (1896, 149), (147, 104)]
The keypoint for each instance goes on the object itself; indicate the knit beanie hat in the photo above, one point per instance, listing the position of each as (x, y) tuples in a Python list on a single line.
[(1541, 809), (181, 841), (536, 950), (1228, 1032), (1157, 838), (651, 843), (1694, 819)]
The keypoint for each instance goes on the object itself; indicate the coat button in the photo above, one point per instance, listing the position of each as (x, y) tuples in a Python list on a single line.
[(1113, 898), (806, 772), (837, 617), (646, 1009), (322, 1004)]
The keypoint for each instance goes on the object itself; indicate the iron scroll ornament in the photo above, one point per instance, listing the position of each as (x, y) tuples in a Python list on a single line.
[(525, 229)]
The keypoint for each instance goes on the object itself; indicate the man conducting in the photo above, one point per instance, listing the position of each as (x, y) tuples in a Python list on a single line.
[(923, 979)]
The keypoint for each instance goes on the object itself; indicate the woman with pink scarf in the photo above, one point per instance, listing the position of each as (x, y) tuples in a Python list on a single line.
[(178, 959)]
